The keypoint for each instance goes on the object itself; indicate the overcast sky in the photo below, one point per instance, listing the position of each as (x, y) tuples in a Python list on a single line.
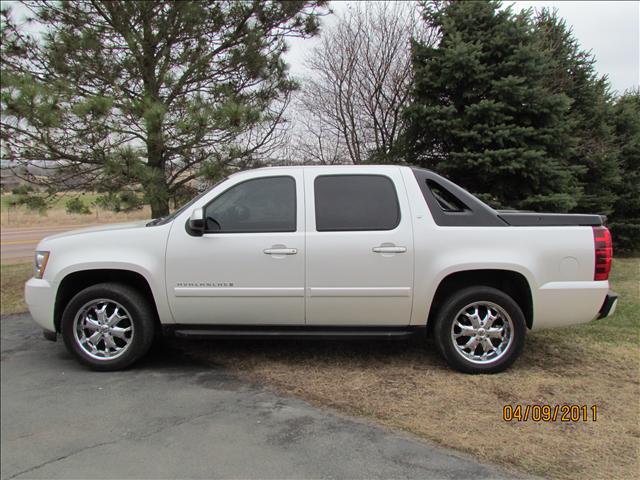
[(611, 30)]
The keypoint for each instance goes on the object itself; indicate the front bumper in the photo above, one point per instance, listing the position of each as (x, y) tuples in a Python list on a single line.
[(609, 306), (39, 295)]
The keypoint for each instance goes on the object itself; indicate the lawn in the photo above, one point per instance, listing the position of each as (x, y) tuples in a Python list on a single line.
[(406, 386)]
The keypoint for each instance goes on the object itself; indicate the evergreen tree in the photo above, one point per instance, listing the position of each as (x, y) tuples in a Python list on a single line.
[(571, 71), (625, 220), (146, 93), (482, 112)]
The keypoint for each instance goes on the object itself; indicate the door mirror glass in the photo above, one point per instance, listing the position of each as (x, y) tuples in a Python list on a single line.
[(196, 222)]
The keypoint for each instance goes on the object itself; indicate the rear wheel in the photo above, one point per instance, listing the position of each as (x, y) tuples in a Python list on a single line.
[(108, 326), (480, 330)]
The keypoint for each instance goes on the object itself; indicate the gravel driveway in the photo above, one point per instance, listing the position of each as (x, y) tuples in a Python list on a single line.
[(171, 416)]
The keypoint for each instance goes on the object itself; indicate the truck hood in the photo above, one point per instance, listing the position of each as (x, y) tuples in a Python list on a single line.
[(99, 228)]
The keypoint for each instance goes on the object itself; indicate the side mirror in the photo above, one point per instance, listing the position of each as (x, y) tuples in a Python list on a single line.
[(196, 222)]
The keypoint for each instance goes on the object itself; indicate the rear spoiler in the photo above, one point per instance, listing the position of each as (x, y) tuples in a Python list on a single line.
[(531, 219)]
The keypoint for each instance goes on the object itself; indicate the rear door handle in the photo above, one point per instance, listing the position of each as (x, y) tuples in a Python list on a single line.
[(389, 249), (280, 251)]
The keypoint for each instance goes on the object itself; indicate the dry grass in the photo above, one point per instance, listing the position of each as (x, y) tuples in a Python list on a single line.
[(21, 217), (408, 387), (12, 278)]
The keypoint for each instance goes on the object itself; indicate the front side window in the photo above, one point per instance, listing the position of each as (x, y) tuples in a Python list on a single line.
[(258, 205), (355, 202)]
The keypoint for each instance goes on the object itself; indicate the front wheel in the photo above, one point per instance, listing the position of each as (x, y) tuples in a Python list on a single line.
[(108, 326), (480, 330)]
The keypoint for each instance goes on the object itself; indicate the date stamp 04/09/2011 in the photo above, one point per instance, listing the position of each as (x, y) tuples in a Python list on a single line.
[(550, 413)]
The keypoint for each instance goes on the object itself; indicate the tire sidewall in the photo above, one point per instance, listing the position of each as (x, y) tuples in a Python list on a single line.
[(446, 317), (141, 317)]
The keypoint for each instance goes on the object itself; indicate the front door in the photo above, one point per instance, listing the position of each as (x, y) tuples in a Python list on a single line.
[(359, 248), (248, 268)]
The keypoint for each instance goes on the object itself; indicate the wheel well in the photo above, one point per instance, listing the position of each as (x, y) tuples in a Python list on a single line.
[(78, 281), (512, 283)]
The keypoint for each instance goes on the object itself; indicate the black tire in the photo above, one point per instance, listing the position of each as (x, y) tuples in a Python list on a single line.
[(447, 315), (141, 319)]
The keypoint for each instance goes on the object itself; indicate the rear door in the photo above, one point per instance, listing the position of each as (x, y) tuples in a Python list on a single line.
[(359, 264)]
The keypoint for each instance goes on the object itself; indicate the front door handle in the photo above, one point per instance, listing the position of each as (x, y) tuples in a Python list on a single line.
[(389, 249), (280, 251)]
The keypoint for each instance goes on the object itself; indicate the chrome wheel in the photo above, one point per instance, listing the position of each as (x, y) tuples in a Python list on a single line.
[(103, 329), (482, 332)]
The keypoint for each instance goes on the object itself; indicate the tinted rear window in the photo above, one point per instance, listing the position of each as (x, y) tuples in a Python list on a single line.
[(355, 202)]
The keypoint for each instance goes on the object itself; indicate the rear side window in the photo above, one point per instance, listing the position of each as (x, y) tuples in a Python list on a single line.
[(259, 205), (355, 202), (447, 201)]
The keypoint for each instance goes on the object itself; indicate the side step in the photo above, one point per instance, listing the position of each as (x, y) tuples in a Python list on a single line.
[(251, 332)]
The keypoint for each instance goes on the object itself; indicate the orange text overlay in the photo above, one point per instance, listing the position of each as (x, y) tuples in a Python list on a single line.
[(550, 413)]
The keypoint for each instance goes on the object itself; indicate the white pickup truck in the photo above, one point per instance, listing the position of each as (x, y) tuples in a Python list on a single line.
[(333, 251)]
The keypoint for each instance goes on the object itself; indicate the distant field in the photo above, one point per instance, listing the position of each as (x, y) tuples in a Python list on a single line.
[(11, 216), (57, 201)]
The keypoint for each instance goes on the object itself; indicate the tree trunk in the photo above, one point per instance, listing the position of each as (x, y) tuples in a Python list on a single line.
[(157, 192), (159, 209), (155, 184)]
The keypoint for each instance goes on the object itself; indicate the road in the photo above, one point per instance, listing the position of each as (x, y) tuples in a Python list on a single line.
[(173, 416), (21, 242)]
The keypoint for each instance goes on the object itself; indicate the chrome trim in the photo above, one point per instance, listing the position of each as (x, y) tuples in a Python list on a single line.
[(360, 292), (104, 329), (482, 332), (238, 292)]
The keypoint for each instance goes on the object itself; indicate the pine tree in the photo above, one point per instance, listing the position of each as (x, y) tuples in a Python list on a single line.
[(146, 93), (482, 113), (625, 220), (571, 71)]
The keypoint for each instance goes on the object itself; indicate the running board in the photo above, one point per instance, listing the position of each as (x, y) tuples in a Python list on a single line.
[(195, 332)]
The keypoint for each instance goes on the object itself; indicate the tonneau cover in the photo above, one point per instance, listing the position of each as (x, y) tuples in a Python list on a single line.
[(531, 219)]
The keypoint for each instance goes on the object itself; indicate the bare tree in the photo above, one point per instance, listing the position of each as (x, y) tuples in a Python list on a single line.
[(350, 107)]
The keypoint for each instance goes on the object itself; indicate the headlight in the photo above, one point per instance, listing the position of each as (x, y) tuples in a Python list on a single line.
[(41, 263)]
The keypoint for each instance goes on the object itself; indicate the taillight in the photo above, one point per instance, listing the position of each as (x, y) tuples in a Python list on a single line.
[(604, 253)]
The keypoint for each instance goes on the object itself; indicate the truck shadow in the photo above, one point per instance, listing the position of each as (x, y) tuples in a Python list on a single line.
[(245, 354)]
